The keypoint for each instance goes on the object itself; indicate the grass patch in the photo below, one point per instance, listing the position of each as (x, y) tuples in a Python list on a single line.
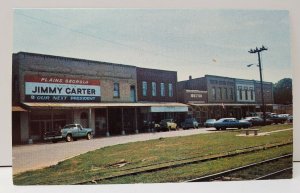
[(200, 169), (110, 160)]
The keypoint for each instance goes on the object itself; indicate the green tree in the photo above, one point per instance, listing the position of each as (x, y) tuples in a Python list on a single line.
[(283, 91)]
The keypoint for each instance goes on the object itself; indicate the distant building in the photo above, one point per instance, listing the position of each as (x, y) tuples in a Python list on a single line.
[(226, 97)]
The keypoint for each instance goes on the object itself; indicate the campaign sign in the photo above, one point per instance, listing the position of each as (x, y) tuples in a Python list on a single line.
[(57, 89)]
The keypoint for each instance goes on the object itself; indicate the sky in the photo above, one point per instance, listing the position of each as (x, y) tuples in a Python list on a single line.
[(190, 41)]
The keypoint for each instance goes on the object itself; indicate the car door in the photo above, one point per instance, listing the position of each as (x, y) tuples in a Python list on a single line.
[(234, 123), (75, 131), (81, 131)]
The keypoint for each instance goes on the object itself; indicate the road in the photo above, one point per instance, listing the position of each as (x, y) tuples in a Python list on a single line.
[(35, 156)]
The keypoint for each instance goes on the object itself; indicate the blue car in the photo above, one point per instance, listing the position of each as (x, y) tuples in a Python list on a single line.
[(231, 123), (190, 123)]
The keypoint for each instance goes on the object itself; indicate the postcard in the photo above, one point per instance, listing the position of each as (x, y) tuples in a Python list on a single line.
[(124, 96)]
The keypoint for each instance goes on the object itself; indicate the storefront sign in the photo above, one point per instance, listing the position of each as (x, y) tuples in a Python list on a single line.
[(57, 89)]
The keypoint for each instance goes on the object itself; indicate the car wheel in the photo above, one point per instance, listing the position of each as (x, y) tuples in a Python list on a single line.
[(218, 128), (54, 141), (69, 138), (89, 136)]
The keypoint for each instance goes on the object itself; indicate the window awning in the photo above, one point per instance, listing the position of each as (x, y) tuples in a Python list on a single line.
[(103, 105), (18, 109)]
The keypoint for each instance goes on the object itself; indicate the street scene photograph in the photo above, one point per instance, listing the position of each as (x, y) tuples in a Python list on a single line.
[(125, 96)]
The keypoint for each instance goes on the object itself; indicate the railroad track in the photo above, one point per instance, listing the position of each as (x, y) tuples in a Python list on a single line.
[(181, 162), (226, 174)]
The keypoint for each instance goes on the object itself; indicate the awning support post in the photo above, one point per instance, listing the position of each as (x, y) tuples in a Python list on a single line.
[(122, 115), (90, 118), (136, 121), (107, 131), (51, 119)]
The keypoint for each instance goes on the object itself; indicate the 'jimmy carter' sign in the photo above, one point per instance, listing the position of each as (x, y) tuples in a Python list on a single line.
[(57, 89)]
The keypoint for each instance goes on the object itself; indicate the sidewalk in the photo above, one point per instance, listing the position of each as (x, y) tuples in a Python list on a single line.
[(35, 156)]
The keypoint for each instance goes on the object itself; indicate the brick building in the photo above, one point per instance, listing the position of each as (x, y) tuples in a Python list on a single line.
[(160, 87), (52, 91), (227, 97)]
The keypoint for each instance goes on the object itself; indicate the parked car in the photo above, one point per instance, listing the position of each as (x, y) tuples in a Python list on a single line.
[(190, 123), (257, 121), (69, 133), (209, 123), (231, 123), (277, 118), (167, 124), (290, 119)]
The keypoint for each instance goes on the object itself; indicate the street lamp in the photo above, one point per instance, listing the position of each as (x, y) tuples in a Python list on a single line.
[(253, 51)]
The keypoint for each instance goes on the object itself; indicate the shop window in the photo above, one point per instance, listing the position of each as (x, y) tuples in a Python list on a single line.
[(226, 93), (170, 90), (162, 89), (84, 119), (144, 88), (116, 90), (213, 91), (240, 92), (153, 88), (220, 93), (246, 94), (231, 94)]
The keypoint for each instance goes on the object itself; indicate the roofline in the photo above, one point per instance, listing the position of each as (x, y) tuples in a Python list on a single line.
[(141, 68), (255, 81), (70, 58)]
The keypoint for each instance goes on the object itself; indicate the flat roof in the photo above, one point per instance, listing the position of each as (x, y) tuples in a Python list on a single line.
[(73, 59)]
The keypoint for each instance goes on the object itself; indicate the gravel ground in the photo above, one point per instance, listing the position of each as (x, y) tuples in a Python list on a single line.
[(35, 156)]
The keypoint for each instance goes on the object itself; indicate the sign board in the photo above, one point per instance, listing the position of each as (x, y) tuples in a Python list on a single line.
[(61, 89), (168, 109)]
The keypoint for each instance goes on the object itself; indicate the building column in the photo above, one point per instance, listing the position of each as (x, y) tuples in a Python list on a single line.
[(122, 116), (107, 131), (92, 120), (136, 121)]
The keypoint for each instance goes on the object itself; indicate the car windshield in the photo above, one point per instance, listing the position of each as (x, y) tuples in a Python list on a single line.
[(210, 120)]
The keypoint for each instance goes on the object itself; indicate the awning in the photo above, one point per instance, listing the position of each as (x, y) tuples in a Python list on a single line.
[(167, 109), (18, 109), (225, 104), (103, 105)]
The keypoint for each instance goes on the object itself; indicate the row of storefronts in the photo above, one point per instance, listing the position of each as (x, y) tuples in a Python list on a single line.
[(113, 99)]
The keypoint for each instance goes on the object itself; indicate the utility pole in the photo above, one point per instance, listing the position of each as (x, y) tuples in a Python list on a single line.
[(253, 51)]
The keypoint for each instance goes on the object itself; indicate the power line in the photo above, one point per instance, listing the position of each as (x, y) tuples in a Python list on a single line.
[(121, 44)]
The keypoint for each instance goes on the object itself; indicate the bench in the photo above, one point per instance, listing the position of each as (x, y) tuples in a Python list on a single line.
[(255, 131)]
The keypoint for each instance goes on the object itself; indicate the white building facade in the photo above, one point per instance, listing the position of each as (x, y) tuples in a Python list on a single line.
[(245, 92)]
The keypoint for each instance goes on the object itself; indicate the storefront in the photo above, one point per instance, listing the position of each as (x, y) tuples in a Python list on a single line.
[(104, 118), (202, 112)]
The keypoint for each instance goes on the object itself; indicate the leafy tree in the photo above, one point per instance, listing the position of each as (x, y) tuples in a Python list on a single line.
[(283, 91)]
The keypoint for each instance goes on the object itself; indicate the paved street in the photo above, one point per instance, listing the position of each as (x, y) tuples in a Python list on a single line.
[(29, 157)]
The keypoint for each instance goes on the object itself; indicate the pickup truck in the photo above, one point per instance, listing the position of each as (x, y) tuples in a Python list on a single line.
[(230, 123), (167, 124), (69, 133)]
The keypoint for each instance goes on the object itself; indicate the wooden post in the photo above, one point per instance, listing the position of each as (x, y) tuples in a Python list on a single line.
[(51, 119), (122, 115), (107, 131), (136, 121)]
